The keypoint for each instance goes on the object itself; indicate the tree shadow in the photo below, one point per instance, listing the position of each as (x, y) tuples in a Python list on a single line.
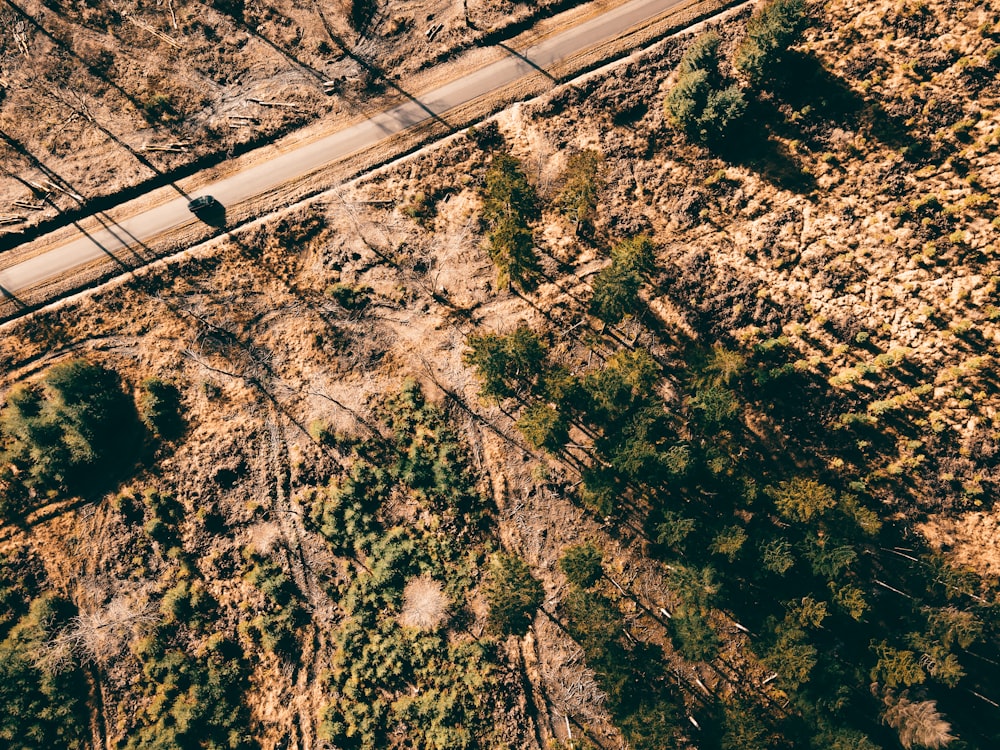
[(802, 106), (753, 146), (808, 86)]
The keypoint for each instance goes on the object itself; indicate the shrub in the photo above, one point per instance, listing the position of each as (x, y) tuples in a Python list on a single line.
[(582, 564), (513, 594)]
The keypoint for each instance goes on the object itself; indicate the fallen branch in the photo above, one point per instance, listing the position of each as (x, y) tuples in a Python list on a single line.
[(158, 34)]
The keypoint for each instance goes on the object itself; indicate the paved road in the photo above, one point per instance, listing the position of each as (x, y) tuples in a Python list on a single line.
[(117, 238)]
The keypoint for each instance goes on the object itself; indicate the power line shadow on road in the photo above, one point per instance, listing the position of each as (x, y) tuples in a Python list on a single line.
[(525, 59), (378, 75)]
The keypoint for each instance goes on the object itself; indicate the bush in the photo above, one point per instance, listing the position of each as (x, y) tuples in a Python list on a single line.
[(73, 430), (513, 594)]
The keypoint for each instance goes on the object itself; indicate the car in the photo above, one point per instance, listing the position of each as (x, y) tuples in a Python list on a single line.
[(202, 204)]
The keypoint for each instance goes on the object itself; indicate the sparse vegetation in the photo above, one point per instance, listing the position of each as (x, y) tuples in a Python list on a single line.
[(750, 507)]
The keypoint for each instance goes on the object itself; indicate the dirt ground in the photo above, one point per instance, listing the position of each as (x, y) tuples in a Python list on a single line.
[(874, 264)]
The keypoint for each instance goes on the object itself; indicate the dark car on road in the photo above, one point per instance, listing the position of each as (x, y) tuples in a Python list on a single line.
[(209, 210), (202, 204)]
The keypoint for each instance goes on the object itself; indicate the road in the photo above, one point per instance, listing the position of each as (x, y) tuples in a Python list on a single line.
[(116, 239)]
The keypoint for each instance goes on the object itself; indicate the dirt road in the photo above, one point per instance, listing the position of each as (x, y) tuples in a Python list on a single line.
[(125, 238)]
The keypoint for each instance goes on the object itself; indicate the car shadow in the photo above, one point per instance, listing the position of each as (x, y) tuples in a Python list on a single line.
[(214, 215)]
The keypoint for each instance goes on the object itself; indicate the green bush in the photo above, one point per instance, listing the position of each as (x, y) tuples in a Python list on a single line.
[(513, 595), (72, 431)]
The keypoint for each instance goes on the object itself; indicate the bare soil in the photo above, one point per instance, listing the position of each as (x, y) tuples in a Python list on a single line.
[(864, 241)]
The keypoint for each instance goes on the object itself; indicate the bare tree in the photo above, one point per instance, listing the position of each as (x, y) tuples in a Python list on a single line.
[(100, 634), (918, 722)]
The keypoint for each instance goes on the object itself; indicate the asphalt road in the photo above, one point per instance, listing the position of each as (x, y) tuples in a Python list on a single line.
[(117, 238)]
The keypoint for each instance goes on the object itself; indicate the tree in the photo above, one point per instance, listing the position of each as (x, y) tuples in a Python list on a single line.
[(770, 32), (509, 207), (582, 564), (692, 635), (703, 54), (544, 426), (635, 254), (44, 705), (616, 293), (702, 103), (594, 622), (616, 288), (895, 667), (674, 530), (72, 430), (743, 729), (806, 612), (504, 364), (581, 186), (513, 594), (954, 627), (507, 192), (716, 404), (919, 724), (776, 556), (799, 499), (512, 249), (841, 738), (624, 384), (791, 656), (729, 542)]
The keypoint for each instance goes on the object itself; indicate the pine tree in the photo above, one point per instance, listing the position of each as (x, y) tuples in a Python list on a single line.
[(513, 594), (771, 31)]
